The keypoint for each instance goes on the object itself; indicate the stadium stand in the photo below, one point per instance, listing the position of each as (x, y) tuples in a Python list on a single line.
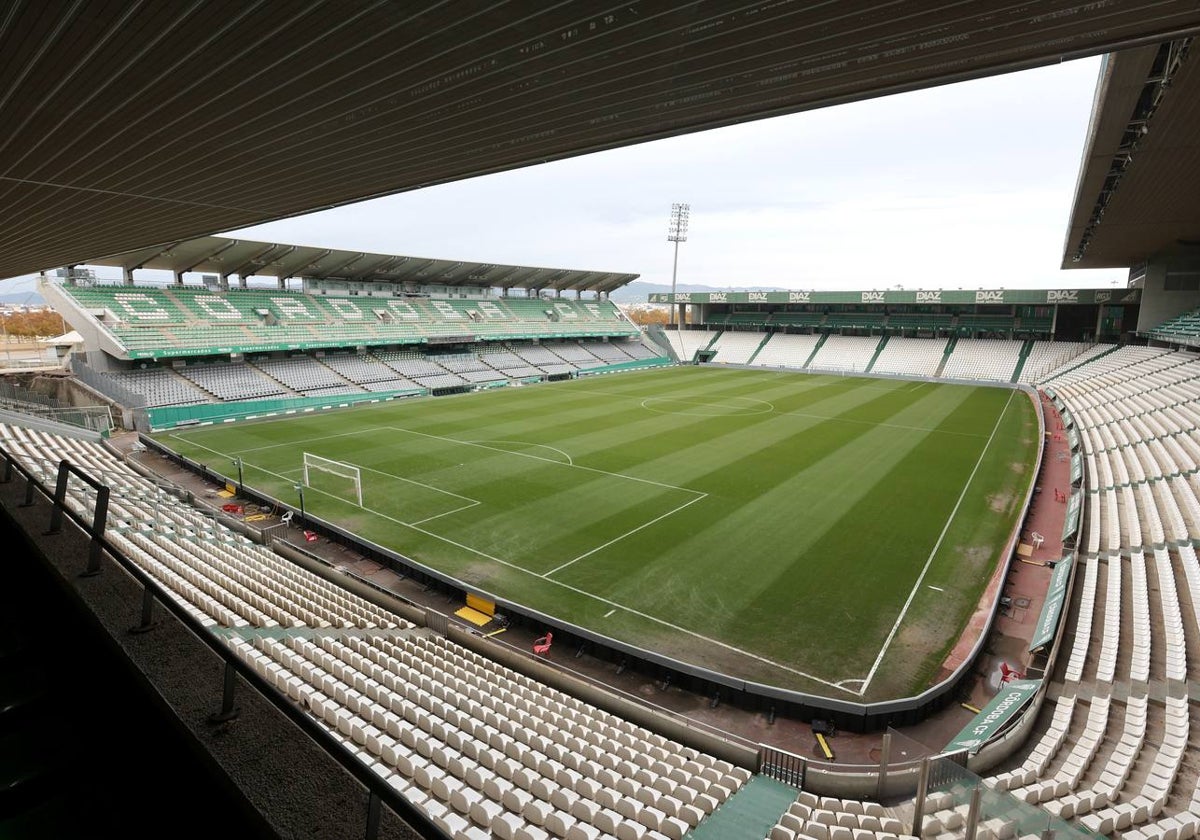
[(983, 358), (812, 816), (636, 350), (366, 370), (232, 380), (737, 348), (1049, 357), (911, 356), (688, 342), (542, 358), (604, 352), (1182, 329), (786, 350), (1089, 353), (979, 359), (484, 750), (304, 374), (152, 322), (845, 352), (1113, 756), (267, 383), (741, 319), (574, 353), (160, 386)]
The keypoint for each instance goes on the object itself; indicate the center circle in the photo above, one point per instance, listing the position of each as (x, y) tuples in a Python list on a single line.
[(727, 407)]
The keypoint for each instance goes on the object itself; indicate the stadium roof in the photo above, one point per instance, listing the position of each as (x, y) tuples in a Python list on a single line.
[(1139, 184), (131, 125), (245, 258)]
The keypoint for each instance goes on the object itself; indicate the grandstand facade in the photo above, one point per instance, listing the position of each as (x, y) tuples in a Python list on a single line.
[(1089, 315), (330, 326)]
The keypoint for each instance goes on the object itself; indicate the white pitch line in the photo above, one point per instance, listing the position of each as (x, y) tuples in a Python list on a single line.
[(299, 471), (630, 610), (445, 513), (546, 460), (842, 419), (623, 536), (420, 484), (278, 445), (610, 612), (921, 578), (938, 588), (570, 461), (607, 601), (770, 407)]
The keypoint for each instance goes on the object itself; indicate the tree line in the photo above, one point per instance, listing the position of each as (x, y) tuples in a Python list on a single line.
[(40, 323)]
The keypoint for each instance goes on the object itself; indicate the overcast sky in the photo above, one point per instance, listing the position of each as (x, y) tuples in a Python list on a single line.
[(960, 186)]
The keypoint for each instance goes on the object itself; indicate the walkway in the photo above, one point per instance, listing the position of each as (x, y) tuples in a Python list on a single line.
[(749, 814)]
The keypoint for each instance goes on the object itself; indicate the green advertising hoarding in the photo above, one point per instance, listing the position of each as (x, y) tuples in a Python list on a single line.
[(1010, 699), (1052, 607), (957, 297), (1071, 520)]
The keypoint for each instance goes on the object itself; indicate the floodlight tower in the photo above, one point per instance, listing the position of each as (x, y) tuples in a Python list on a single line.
[(677, 232)]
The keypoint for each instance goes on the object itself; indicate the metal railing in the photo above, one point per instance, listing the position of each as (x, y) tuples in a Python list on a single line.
[(380, 793)]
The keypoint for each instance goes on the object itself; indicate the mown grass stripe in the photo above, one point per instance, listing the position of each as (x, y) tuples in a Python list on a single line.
[(819, 514)]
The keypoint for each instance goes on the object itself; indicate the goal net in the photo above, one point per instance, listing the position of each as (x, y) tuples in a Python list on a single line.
[(346, 478)]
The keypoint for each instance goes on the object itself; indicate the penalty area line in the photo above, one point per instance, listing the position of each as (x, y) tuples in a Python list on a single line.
[(623, 536), (631, 610), (937, 545), (615, 605)]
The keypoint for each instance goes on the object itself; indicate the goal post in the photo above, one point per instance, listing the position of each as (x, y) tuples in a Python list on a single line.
[(339, 468)]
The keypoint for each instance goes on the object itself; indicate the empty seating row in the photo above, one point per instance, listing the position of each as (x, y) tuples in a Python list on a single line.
[(1117, 767), (152, 321), (484, 750)]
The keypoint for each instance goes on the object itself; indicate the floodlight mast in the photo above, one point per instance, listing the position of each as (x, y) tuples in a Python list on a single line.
[(677, 232)]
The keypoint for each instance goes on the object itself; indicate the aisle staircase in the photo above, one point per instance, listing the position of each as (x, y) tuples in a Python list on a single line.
[(1026, 349), (949, 351), (758, 349), (1088, 360), (749, 814), (878, 349), (816, 349)]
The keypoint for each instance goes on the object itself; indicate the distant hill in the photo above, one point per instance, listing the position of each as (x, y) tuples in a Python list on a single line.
[(23, 298), (21, 291), (638, 291)]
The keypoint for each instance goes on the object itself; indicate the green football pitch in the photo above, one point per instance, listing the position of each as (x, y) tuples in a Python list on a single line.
[(821, 533)]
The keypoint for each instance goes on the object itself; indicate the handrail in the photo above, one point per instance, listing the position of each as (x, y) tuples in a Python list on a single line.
[(379, 790)]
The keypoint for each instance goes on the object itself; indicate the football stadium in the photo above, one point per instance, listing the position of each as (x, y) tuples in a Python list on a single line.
[(308, 542)]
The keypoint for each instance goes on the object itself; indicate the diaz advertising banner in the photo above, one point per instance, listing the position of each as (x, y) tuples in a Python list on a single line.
[(1036, 297)]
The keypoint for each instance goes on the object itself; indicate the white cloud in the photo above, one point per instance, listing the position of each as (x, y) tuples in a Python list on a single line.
[(963, 185)]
